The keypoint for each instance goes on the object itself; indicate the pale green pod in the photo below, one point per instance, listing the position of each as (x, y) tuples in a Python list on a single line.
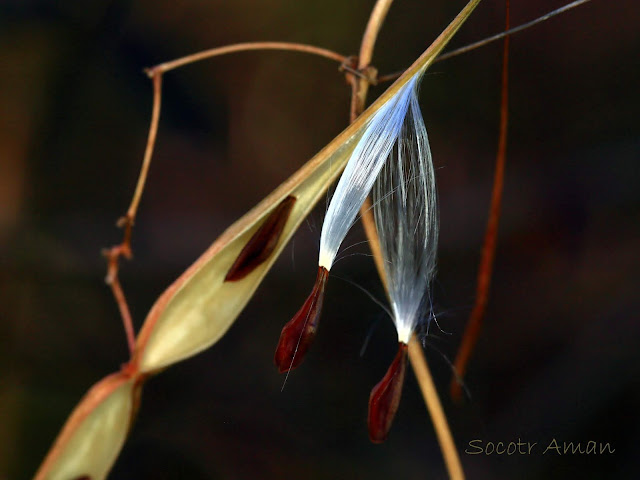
[(200, 306), (94, 433), (194, 312)]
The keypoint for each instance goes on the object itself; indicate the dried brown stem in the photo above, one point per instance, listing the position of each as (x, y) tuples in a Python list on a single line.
[(113, 255), (485, 270), (124, 313), (243, 47), (361, 85), (418, 361), (508, 32), (123, 249), (481, 43), (371, 232), (438, 417), (146, 162), (360, 88)]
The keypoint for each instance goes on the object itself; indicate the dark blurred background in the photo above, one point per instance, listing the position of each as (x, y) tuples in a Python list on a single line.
[(558, 357)]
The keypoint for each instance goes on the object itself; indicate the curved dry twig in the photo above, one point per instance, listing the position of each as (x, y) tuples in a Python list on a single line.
[(485, 270)]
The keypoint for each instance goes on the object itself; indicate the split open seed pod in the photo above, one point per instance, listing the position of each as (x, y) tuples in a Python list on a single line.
[(201, 305), (94, 433)]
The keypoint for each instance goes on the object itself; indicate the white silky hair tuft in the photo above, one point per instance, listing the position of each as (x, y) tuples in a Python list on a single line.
[(406, 215), (361, 171)]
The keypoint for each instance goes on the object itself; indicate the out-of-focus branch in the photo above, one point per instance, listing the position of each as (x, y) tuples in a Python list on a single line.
[(485, 270), (485, 41), (244, 47), (123, 249)]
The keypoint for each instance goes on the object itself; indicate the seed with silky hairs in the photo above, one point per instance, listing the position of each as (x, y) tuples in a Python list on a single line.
[(356, 181)]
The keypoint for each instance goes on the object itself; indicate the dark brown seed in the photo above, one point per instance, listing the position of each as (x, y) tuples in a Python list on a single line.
[(297, 335), (262, 243), (385, 397)]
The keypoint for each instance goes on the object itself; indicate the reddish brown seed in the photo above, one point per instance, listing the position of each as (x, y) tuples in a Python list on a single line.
[(385, 397), (297, 335), (262, 243)]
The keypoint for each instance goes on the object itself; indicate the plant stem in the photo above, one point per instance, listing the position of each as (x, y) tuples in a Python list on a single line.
[(151, 140), (114, 253), (493, 38), (243, 47), (439, 419), (361, 85), (508, 32), (416, 356), (124, 313), (485, 270)]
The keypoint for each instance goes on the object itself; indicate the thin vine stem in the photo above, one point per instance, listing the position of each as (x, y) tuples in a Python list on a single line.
[(485, 270), (123, 249), (438, 417), (118, 294), (485, 41), (360, 86), (146, 162), (508, 32), (244, 47)]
